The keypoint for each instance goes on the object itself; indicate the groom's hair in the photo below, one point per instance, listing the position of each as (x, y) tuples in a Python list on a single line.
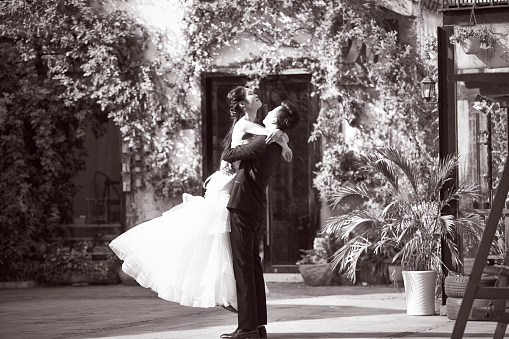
[(288, 117)]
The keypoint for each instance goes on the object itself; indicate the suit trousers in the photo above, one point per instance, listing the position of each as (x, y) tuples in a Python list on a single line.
[(247, 268)]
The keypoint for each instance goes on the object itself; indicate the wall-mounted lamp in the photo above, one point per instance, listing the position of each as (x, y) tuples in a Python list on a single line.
[(428, 89)]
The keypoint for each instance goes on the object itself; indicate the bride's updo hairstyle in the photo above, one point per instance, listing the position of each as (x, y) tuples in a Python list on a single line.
[(234, 98)]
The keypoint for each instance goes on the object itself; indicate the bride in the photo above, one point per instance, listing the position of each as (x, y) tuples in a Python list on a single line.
[(185, 255)]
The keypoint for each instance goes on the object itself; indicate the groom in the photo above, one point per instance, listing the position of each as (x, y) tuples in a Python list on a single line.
[(247, 206)]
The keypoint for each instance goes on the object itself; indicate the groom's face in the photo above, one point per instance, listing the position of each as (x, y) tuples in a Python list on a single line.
[(270, 119)]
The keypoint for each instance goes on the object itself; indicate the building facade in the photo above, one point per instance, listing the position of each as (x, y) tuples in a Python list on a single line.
[(295, 212)]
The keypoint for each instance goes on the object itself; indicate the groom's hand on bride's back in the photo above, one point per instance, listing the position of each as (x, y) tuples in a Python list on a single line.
[(251, 150)]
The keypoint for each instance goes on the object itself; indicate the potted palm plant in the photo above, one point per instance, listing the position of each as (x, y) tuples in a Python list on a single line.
[(409, 225)]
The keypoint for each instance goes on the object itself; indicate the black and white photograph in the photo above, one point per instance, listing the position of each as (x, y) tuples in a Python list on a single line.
[(284, 169)]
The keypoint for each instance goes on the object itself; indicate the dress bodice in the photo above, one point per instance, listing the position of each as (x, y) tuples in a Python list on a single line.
[(236, 142), (220, 183)]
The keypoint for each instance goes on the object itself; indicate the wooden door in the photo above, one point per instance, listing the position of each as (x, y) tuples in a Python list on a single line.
[(293, 209)]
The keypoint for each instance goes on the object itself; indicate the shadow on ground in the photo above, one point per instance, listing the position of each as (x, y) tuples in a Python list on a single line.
[(368, 335)]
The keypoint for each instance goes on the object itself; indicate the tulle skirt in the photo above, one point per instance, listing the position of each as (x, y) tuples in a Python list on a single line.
[(185, 254)]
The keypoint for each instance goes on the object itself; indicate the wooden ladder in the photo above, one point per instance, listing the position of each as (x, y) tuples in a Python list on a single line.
[(499, 294)]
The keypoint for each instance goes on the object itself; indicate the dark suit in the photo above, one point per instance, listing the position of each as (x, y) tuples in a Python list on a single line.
[(247, 205)]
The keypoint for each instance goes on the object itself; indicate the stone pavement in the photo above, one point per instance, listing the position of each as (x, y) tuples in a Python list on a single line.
[(295, 311)]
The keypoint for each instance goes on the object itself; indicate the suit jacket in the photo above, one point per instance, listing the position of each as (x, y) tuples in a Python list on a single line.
[(258, 162)]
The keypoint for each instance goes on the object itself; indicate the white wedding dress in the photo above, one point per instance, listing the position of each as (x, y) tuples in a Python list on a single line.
[(185, 254)]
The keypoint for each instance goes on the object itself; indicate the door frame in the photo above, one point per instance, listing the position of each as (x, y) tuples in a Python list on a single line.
[(314, 151)]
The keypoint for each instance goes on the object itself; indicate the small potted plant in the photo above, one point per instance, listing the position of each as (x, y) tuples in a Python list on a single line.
[(315, 263), (472, 39), (409, 224)]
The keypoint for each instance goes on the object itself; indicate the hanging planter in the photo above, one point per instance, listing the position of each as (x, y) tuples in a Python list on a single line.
[(472, 39), (471, 46)]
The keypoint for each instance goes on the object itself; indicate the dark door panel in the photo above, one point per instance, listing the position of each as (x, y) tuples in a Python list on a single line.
[(292, 213), (290, 226)]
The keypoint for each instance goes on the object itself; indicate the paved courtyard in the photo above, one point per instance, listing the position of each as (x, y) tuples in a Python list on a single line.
[(295, 311)]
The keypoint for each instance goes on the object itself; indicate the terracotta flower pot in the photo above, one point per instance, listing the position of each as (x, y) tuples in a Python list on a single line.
[(317, 274)]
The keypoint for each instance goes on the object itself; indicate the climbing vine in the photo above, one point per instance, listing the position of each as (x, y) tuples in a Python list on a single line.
[(375, 93), (66, 67)]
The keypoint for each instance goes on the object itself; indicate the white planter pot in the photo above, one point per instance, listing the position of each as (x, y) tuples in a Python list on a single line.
[(420, 292)]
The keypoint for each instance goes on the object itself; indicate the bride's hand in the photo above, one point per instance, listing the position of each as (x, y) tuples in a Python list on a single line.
[(227, 168), (273, 136), (287, 154)]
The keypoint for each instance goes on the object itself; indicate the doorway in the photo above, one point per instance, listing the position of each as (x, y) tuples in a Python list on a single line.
[(293, 208)]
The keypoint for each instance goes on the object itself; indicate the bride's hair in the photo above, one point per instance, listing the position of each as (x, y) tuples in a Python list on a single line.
[(234, 98)]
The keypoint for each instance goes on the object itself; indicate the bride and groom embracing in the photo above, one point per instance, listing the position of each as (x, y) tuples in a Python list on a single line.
[(204, 252)]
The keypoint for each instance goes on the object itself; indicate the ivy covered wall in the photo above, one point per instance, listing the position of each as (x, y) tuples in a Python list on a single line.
[(160, 187), (69, 64), (364, 104)]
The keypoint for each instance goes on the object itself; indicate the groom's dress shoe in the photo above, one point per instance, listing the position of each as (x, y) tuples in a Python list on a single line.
[(242, 334), (262, 331)]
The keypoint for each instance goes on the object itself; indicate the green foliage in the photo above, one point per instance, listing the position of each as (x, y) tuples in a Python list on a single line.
[(410, 227), (67, 67), (173, 166), (378, 94), (339, 167), (63, 262), (321, 253), (485, 34), (499, 139)]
